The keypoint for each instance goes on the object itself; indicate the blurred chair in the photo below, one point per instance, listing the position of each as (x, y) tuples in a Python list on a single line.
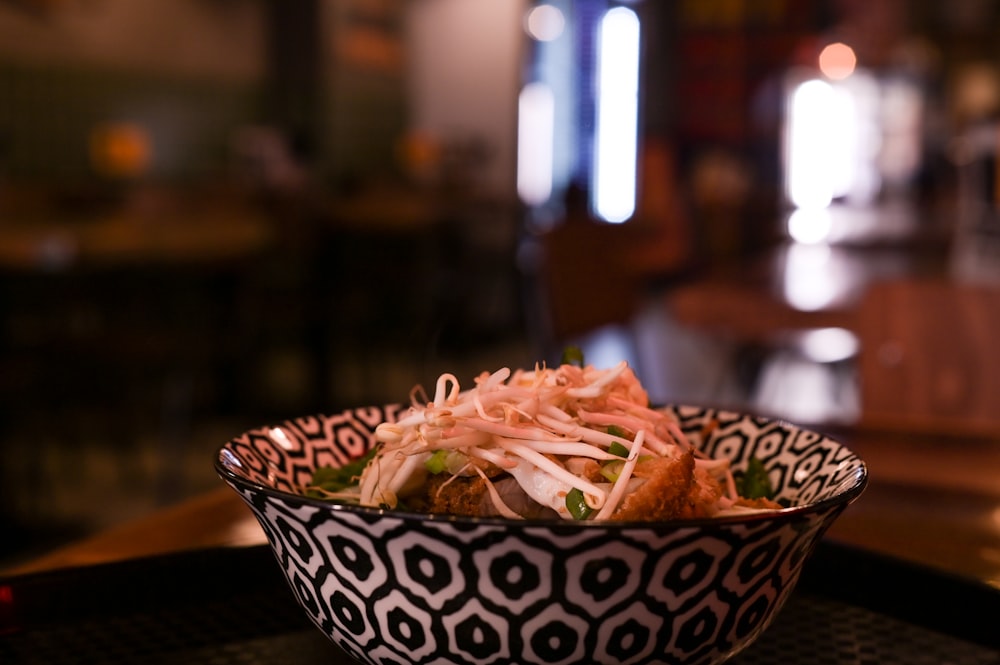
[(590, 274), (929, 357), (585, 278)]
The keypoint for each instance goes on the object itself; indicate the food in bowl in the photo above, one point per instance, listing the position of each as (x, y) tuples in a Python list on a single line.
[(573, 441), (393, 585)]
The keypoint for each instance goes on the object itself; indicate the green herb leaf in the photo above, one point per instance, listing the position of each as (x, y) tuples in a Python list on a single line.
[(335, 479), (572, 355), (576, 504), (754, 483)]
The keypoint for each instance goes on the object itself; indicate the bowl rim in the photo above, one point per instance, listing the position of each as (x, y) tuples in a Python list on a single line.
[(858, 483)]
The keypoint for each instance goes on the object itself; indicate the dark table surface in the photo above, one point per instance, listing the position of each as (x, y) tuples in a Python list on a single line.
[(231, 605)]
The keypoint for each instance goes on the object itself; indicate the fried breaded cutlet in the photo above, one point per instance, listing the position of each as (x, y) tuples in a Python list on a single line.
[(666, 492), (469, 496), (676, 489), (447, 495), (670, 489)]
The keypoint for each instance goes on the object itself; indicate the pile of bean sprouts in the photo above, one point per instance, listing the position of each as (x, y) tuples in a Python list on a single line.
[(538, 426)]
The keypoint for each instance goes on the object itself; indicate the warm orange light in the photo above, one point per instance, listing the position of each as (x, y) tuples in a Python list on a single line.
[(837, 61), (120, 149)]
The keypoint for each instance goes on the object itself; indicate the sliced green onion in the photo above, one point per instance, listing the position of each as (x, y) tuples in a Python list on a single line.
[(437, 462), (618, 449), (576, 504), (445, 461), (620, 432), (611, 470)]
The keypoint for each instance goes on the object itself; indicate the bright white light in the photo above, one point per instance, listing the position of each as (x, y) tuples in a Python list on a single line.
[(617, 115), (608, 346), (278, 435), (809, 180), (832, 142), (810, 225), (545, 23), (535, 129), (822, 144), (813, 277), (829, 345), (868, 136)]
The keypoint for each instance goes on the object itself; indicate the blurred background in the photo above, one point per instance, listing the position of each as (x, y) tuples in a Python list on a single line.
[(215, 214)]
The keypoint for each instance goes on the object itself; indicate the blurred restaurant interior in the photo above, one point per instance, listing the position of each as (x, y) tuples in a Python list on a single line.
[(219, 213)]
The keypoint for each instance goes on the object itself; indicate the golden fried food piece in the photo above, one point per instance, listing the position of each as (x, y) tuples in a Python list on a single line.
[(665, 494), (762, 503), (670, 489), (463, 495)]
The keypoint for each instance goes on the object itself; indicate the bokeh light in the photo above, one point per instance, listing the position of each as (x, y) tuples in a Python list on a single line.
[(545, 23), (837, 61)]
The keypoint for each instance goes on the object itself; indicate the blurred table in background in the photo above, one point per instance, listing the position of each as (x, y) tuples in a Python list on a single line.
[(126, 238), (795, 286), (883, 300), (924, 351), (116, 327), (131, 331)]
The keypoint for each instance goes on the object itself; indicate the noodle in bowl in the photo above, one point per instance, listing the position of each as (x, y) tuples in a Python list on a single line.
[(387, 585)]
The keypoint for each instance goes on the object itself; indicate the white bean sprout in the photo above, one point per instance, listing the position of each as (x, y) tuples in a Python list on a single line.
[(541, 428)]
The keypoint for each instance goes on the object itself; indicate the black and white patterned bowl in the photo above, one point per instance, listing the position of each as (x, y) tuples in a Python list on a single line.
[(395, 587)]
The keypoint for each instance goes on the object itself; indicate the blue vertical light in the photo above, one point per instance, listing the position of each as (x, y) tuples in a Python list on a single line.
[(617, 117)]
